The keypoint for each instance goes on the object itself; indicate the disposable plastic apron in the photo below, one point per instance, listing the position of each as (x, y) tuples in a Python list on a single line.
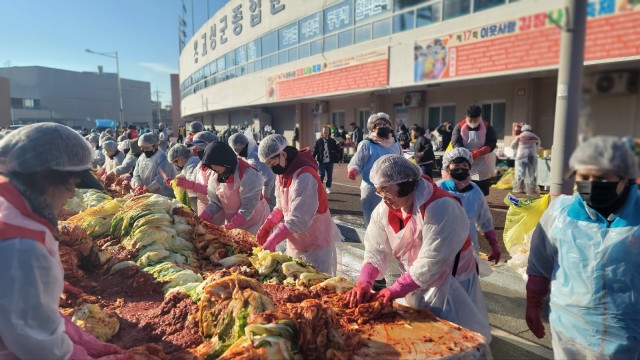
[(483, 167), (202, 177), (446, 298), (313, 244), (229, 195)]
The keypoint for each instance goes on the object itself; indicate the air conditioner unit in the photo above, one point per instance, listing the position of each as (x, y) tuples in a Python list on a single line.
[(412, 99), (615, 83)]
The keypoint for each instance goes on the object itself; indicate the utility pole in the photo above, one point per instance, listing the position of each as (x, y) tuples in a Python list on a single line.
[(157, 92), (565, 130)]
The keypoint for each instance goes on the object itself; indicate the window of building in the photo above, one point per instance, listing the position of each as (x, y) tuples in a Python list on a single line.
[(16, 103), (363, 116), (479, 5), (264, 62), (293, 54), (241, 55), (28, 103), (455, 8), (495, 114), (439, 114), (230, 59), (345, 38), (269, 43), (316, 47), (330, 43), (428, 15), (363, 33), (254, 50), (288, 36), (273, 60), (304, 50), (382, 28), (338, 118), (403, 22), (36, 104), (403, 4), (282, 57)]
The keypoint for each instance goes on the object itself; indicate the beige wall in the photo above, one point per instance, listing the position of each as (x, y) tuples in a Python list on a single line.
[(5, 103)]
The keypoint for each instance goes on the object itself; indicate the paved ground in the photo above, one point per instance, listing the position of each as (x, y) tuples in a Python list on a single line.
[(504, 290)]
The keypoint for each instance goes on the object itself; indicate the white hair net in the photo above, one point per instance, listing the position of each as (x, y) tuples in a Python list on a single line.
[(606, 153), (206, 136), (455, 153), (124, 145), (110, 145), (122, 137), (238, 141), (526, 127), (94, 138), (375, 117), (58, 147), (148, 139), (178, 151), (270, 146), (196, 126), (393, 169)]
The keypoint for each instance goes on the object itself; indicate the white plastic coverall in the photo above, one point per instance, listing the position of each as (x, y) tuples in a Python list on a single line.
[(314, 235), (427, 248), (112, 164), (147, 173), (593, 268), (127, 166), (190, 171), (30, 323), (239, 195), (526, 146), (269, 187), (367, 154), (203, 175), (98, 157)]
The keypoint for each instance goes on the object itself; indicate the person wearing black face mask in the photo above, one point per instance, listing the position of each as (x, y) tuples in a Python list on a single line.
[(235, 190), (152, 169), (585, 251), (456, 180), (303, 217), (187, 165)]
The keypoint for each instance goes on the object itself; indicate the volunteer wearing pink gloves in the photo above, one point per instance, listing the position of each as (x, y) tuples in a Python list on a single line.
[(35, 183), (196, 183), (301, 206), (427, 231)]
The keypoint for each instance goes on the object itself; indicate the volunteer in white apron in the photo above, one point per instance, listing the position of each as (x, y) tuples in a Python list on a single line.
[(152, 168), (234, 190), (426, 230), (301, 206), (479, 137), (199, 179)]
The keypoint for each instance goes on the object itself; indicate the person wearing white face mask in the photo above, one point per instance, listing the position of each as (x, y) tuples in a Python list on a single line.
[(427, 231), (479, 137)]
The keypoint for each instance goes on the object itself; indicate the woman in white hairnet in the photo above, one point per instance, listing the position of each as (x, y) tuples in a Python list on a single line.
[(152, 168), (199, 185), (426, 230), (186, 165), (35, 183), (98, 156), (587, 247), (114, 157), (380, 142), (234, 190), (301, 206), (247, 149), (526, 146), (132, 152)]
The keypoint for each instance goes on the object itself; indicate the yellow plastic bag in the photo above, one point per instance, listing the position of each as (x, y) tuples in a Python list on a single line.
[(180, 193), (506, 181), (522, 217)]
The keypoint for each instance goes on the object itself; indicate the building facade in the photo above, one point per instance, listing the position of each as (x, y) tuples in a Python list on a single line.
[(40, 94), (289, 65)]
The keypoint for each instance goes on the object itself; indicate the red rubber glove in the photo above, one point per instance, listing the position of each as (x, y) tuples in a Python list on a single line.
[(400, 288), (480, 152), (279, 235), (85, 345), (272, 221), (206, 216), (235, 221), (361, 293), (168, 181), (537, 289), (352, 173), (492, 239), (185, 183), (139, 190)]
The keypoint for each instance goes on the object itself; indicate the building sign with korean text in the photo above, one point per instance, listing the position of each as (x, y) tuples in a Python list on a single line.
[(531, 41), (362, 71)]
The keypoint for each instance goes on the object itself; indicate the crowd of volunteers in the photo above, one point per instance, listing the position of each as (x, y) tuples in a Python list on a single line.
[(584, 251)]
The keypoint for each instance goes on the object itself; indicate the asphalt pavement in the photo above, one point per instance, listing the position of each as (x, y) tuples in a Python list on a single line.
[(504, 290)]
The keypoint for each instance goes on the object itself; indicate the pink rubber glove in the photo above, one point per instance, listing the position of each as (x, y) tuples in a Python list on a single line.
[(236, 221), (168, 181), (537, 289), (272, 221), (200, 188), (280, 234), (361, 293), (86, 345), (185, 183), (352, 174), (206, 216), (400, 288), (492, 239)]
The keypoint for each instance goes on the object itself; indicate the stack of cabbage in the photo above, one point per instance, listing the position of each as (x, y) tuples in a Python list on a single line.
[(85, 199), (96, 221), (164, 241)]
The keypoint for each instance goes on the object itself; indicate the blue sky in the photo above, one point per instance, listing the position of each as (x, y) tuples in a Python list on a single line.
[(56, 33)]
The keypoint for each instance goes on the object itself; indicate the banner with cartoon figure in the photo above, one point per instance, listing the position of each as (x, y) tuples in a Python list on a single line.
[(528, 42)]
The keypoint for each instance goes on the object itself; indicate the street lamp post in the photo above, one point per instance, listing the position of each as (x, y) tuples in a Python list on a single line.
[(113, 55)]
